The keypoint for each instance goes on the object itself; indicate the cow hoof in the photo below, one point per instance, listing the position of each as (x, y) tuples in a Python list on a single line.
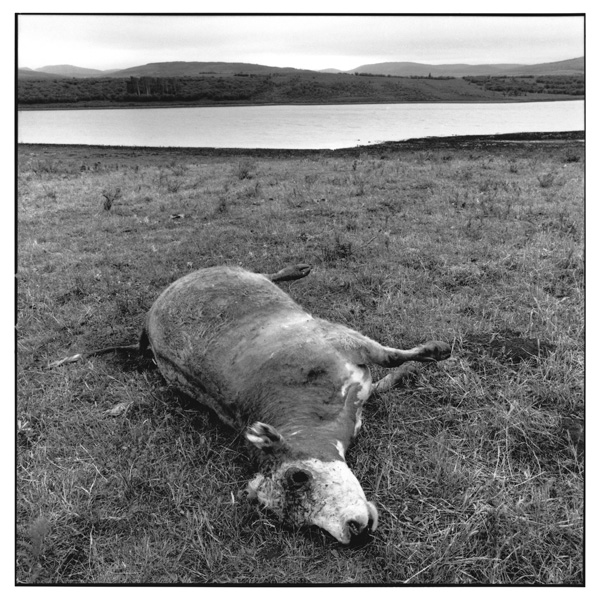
[(404, 374), (291, 273), (407, 372), (435, 351), (302, 269)]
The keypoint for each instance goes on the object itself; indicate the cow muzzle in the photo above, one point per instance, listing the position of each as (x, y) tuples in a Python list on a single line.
[(358, 523), (312, 492)]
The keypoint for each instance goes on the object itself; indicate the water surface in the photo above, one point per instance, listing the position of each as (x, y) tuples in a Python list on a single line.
[(292, 126)]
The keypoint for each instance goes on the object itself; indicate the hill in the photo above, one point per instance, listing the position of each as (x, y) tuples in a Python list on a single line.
[(399, 69), (214, 83), (23, 74), (71, 71), (412, 69), (409, 69), (574, 66), (170, 69)]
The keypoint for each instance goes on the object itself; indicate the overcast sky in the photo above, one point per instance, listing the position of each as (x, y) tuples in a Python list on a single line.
[(310, 42)]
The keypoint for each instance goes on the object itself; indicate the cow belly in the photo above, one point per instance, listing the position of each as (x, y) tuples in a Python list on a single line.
[(230, 340), (200, 389)]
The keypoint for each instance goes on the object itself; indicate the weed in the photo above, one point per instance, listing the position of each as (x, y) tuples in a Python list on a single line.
[(336, 250), (245, 169), (45, 166), (33, 546), (110, 196), (222, 205), (546, 180), (51, 194), (178, 169), (352, 225), (359, 186), (173, 185)]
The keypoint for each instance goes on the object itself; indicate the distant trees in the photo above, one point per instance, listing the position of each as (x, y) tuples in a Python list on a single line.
[(153, 86), (285, 88), (573, 85), (46, 91), (429, 76)]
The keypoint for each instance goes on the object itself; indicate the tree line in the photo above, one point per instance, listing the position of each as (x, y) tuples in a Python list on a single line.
[(573, 85), (320, 88)]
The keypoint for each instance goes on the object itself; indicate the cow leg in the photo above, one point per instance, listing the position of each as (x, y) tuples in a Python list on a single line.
[(396, 378), (290, 273), (394, 357), (363, 350)]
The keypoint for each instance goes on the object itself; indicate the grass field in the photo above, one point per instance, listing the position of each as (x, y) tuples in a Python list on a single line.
[(476, 467)]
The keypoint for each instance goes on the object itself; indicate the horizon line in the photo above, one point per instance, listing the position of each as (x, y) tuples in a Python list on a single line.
[(299, 68)]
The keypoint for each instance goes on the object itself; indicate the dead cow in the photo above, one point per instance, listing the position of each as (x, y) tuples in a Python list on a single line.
[(258, 358), (295, 383)]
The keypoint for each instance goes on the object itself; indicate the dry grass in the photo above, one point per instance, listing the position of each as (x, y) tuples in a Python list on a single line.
[(477, 468)]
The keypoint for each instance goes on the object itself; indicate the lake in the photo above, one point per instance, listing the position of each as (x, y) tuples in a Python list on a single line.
[(292, 126)]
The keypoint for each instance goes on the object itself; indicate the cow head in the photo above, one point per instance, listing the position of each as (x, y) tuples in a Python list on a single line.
[(304, 490)]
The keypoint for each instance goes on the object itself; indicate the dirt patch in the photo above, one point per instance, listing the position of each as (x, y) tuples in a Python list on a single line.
[(508, 347)]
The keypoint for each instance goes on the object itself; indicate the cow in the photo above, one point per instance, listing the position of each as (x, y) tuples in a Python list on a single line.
[(293, 383)]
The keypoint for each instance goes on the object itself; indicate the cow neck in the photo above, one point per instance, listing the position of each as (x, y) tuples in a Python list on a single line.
[(328, 441)]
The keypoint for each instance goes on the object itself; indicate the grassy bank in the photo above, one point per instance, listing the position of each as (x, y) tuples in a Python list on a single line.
[(477, 467), (297, 88)]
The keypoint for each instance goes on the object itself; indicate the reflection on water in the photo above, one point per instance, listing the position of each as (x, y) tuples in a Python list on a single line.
[(292, 126)]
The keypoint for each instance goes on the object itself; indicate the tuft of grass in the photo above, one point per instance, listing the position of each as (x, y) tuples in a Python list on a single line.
[(476, 467), (110, 195), (337, 249), (547, 180), (31, 548), (245, 169)]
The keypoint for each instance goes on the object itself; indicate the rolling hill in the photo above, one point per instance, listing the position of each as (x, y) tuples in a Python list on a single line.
[(573, 66), (71, 71), (191, 69), (219, 83), (26, 74)]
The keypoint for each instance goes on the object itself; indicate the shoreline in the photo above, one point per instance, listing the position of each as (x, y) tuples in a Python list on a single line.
[(447, 142), (130, 106)]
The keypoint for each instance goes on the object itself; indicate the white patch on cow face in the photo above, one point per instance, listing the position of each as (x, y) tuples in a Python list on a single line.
[(332, 497)]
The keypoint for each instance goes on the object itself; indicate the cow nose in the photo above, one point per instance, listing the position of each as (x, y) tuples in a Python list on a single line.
[(358, 523), (355, 527)]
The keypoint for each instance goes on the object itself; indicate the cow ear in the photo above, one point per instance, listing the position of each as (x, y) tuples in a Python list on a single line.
[(264, 437)]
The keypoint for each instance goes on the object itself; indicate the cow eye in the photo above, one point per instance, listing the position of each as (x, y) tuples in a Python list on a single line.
[(297, 478)]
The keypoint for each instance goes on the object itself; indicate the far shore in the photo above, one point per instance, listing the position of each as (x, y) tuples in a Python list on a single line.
[(129, 105)]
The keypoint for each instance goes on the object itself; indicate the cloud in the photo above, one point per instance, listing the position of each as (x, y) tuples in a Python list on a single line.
[(102, 41)]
